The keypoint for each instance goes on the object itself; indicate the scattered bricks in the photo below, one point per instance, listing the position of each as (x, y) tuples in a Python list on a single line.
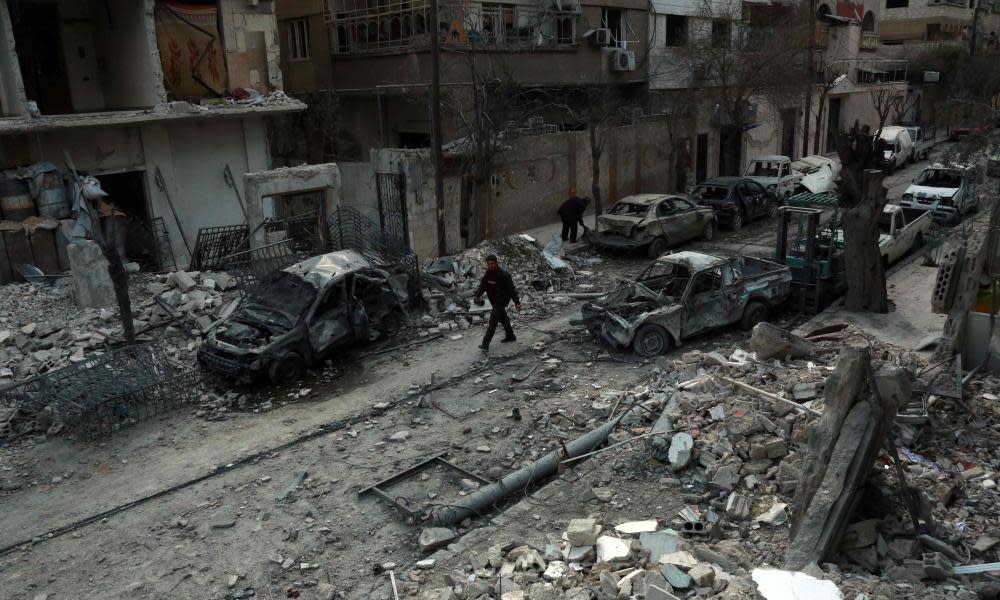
[(936, 566), (703, 575), (860, 535), (681, 451), (583, 532), (432, 538)]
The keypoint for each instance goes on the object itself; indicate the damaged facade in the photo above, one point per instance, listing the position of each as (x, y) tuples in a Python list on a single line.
[(164, 102)]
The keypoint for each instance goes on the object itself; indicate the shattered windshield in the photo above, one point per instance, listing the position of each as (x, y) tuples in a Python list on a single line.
[(711, 192), (763, 169), (939, 178), (281, 298), (629, 208)]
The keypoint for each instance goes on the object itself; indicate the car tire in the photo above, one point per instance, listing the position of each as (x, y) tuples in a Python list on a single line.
[(754, 313), (286, 369), (651, 340), (737, 223), (708, 232), (657, 247)]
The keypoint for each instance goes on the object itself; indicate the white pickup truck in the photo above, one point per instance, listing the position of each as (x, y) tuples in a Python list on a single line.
[(948, 191), (775, 173), (901, 230)]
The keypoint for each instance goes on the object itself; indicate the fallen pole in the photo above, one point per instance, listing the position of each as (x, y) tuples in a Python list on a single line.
[(481, 500), (770, 396)]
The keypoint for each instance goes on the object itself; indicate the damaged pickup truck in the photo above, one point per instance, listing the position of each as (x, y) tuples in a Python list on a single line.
[(681, 294), (301, 314)]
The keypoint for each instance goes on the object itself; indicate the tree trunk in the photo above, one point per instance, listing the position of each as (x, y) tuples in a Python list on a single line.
[(862, 258), (596, 150), (819, 122), (118, 274), (478, 210)]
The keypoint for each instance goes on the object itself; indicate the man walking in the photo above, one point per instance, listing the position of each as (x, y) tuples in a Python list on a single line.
[(571, 214), (498, 286)]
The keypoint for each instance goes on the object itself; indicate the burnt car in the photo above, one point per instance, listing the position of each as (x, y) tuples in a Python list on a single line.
[(735, 200), (682, 294), (652, 223), (300, 315)]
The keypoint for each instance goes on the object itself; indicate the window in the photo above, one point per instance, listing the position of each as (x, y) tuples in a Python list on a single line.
[(614, 20), (677, 31), (298, 39), (664, 208), (721, 33), (897, 3), (498, 22)]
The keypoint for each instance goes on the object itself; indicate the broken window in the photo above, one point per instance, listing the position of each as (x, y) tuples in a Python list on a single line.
[(721, 33), (83, 56), (191, 50), (676, 31), (613, 19), (298, 39)]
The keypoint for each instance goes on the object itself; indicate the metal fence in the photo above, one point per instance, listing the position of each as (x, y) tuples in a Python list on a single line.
[(214, 244), (350, 230), (106, 392), (250, 267)]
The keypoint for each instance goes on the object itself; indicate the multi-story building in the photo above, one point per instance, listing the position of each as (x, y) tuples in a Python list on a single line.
[(165, 102), (376, 56), (913, 26)]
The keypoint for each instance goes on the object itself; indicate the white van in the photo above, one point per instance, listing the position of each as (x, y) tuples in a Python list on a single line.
[(898, 146)]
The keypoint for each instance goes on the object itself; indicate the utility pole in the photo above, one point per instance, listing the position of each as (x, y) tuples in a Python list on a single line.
[(975, 29), (810, 76), (442, 246)]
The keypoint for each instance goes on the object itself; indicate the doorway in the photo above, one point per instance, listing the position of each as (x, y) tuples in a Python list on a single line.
[(701, 158), (730, 140), (788, 118), (833, 124)]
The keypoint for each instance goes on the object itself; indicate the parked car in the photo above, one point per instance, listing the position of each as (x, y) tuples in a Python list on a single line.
[(652, 222), (958, 133), (735, 200), (304, 313), (922, 142), (684, 293), (775, 174), (898, 146), (819, 174), (949, 192)]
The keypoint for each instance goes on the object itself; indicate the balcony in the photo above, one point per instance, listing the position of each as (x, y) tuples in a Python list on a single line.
[(869, 41)]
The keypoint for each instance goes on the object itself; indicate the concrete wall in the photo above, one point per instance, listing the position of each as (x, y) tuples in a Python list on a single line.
[(253, 52), (315, 73), (132, 77), (357, 188)]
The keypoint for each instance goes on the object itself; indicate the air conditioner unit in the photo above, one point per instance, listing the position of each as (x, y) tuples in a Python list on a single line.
[(599, 37), (622, 60)]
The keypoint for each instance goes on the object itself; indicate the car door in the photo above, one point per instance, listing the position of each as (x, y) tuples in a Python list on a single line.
[(705, 303), (330, 322), (689, 220)]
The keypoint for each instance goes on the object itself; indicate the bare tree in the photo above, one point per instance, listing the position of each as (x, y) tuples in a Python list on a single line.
[(884, 100), (862, 198)]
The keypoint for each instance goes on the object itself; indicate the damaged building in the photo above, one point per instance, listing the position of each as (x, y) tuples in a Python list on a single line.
[(164, 102)]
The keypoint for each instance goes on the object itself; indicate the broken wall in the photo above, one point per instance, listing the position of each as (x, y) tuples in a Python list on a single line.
[(132, 77), (264, 188), (11, 86), (252, 51)]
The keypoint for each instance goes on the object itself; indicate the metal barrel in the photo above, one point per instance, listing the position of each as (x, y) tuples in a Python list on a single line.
[(52, 197), (15, 200)]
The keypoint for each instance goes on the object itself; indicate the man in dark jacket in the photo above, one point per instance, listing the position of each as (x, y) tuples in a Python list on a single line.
[(571, 213), (498, 286)]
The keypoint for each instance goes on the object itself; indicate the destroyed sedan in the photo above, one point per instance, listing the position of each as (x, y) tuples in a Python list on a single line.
[(652, 223), (300, 315), (682, 294)]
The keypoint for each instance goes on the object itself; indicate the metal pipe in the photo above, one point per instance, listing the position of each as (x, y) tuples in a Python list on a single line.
[(480, 501)]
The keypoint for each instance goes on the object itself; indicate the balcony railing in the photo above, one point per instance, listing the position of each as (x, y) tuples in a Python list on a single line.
[(869, 41), (356, 27)]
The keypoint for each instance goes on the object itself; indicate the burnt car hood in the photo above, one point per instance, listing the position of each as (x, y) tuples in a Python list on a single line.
[(616, 315)]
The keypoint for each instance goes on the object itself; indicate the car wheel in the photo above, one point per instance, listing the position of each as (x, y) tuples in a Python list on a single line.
[(754, 313), (657, 247), (651, 340), (708, 232), (286, 369), (737, 222)]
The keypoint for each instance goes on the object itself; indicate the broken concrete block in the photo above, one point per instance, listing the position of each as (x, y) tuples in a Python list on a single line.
[(432, 538), (776, 584), (804, 391), (400, 436), (936, 566), (656, 593), (555, 570), (985, 543), (681, 558), (738, 506), (901, 549), (681, 451), (860, 535), (92, 287), (675, 577), (659, 543), (633, 527), (776, 515), (727, 476), (583, 532), (768, 341), (579, 554), (610, 549), (182, 281), (703, 575)]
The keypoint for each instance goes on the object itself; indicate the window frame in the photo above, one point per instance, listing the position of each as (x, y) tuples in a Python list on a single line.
[(723, 39), (298, 40), (684, 36)]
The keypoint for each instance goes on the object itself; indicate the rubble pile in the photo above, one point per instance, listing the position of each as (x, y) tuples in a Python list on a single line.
[(732, 434), (539, 274)]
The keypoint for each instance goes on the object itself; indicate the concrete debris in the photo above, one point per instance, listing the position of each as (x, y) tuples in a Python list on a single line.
[(769, 341), (432, 538), (775, 584)]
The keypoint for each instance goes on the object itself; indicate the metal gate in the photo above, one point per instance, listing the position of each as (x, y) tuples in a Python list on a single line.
[(391, 190)]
